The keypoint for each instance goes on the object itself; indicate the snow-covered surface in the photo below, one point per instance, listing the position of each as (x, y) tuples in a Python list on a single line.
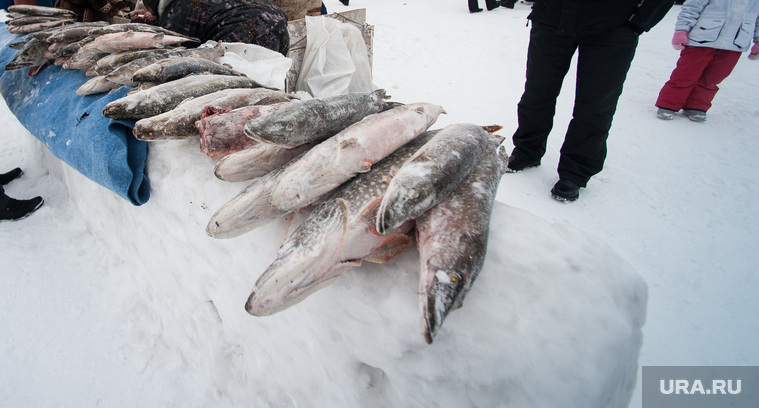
[(106, 304)]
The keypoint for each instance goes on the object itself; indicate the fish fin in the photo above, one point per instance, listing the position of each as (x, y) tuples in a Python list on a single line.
[(389, 248), (492, 128), (369, 215)]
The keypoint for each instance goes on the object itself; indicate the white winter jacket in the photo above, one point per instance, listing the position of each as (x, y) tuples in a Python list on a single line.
[(722, 24)]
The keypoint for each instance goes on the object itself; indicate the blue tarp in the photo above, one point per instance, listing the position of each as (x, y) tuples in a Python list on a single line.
[(73, 126)]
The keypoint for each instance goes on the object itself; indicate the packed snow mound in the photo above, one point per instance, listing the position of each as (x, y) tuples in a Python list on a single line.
[(138, 306)]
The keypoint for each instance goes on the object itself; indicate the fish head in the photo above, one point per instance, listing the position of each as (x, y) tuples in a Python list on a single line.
[(446, 286), (282, 129), (408, 195), (306, 262)]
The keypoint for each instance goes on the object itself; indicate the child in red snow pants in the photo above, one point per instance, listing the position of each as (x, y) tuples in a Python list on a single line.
[(694, 81)]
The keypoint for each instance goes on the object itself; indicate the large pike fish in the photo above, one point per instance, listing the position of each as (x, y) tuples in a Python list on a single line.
[(433, 172), (221, 133), (169, 69), (452, 240), (255, 161), (247, 210), (131, 40), (335, 236), (354, 150), (316, 119), (165, 97), (179, 122)]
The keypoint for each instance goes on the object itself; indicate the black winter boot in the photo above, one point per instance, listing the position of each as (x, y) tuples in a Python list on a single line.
[(474, 6), (10, 176), (566, 191), (491, 4), (19, 209)]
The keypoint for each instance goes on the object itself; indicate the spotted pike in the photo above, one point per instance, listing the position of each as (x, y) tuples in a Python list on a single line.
[(337, 159), (138, 27), (179, 122), (314, 120), (131, 40), (31, 54), (221, 133), (36, 27), (169, 69), (246, 211), (433, 172), (31, 10), (255, 161), (452, 240), (165, 97), (123, 74), (112, 61), (74, 32), (335, 236), (20, 21)]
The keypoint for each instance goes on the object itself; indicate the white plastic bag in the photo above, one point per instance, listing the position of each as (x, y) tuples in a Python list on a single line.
[(335, 61), (267, 67)]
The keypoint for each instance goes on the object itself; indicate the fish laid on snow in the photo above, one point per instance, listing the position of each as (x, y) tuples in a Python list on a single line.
[(247, 210), (452, 240), (314, 120), (433, 172), (335, 236), (165, 97), (255, 161), (179, 123), (169, 69), (352, 151), (130, 40), (221, 133)]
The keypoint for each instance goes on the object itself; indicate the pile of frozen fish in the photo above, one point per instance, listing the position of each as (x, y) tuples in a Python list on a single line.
[(366, 173), (26, 19)]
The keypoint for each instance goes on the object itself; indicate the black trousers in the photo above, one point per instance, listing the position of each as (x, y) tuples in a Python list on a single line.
[(603, 60)]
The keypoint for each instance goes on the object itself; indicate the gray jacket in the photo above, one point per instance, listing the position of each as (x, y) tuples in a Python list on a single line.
[(722, 24)]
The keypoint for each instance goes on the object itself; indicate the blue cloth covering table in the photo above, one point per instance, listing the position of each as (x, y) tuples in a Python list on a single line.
[(73, 126)]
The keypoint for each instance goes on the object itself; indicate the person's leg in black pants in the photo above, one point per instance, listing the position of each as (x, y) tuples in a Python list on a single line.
[(602, 65), (548, 60)]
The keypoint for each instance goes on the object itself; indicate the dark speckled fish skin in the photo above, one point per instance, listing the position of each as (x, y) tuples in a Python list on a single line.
[(316, 119), (452, 240), (436, 170), (179, 123), (170, 69), (165, 97), (335, 236)]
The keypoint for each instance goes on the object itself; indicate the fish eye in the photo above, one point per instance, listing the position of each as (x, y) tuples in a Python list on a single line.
[(454, 277), (289, 126)]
